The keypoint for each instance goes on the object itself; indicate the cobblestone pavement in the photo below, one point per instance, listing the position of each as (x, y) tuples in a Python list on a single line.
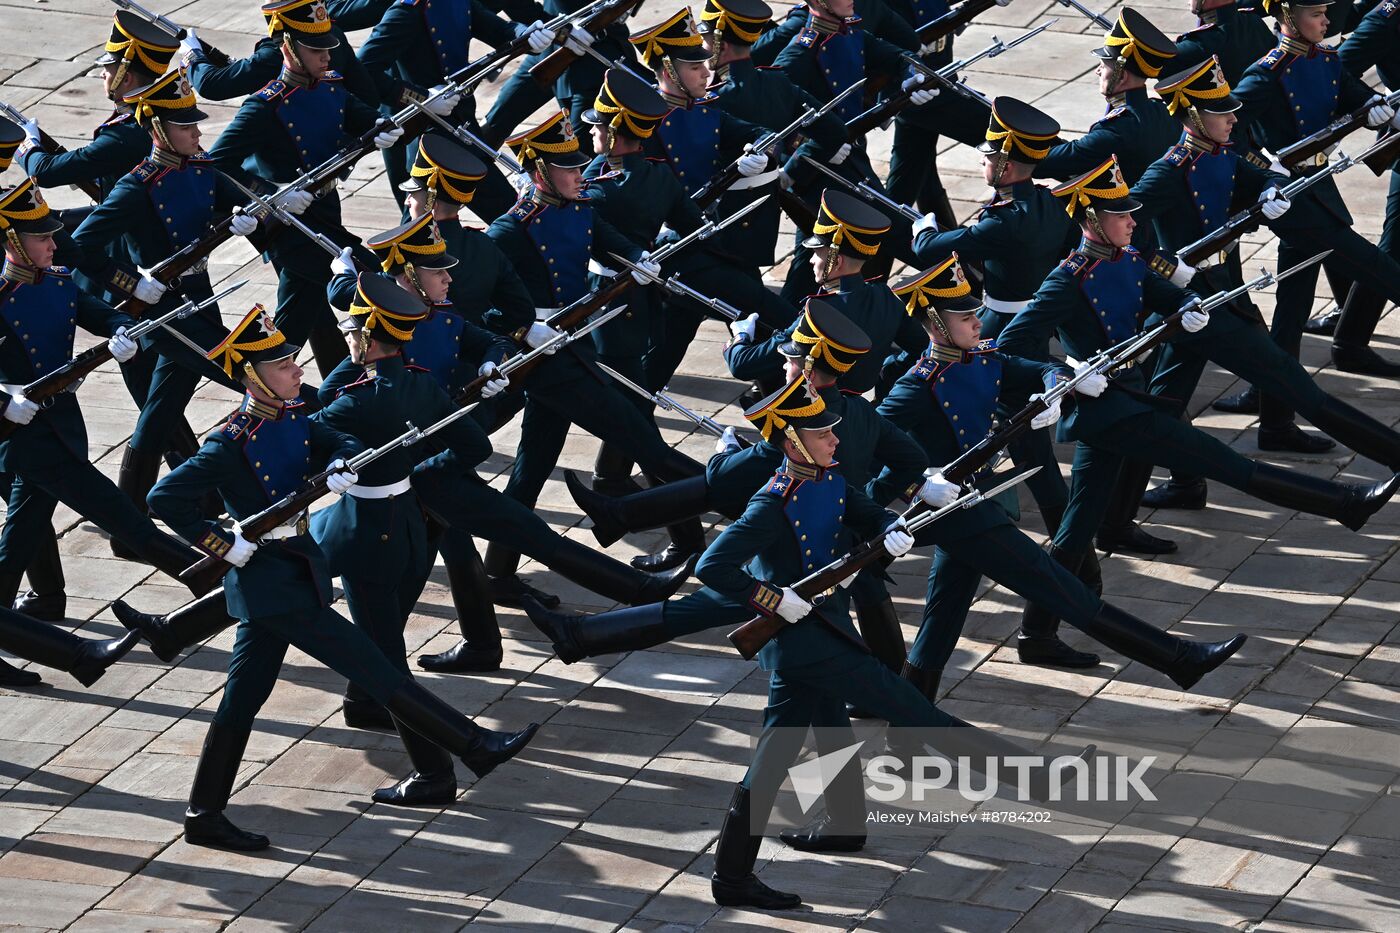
[(1277, 807)]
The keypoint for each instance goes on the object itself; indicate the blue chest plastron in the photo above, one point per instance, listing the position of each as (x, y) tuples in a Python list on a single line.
[(842, 61), (1211, 180), (814, 510), (436, 342), (563, 236), (1114, 292), (965, 392), (43, 318), (449, 24), (184, 201), (279, 452), (1311, 86), (690, 139), (314, 117)]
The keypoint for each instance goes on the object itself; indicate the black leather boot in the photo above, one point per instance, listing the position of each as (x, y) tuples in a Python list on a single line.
[(612, 470), (171, 556), (205, 823), (45, 599), (614, 579), (1038, 642), (1242, 403), (87, 659), (507, 587), (1188, 495), (46, 607), (1290, 437), (733, 883), (479, 651), (11, 676), (1337, 419), (1132, 539), (1350, 505), (480, 749), (657, 507), (577, 637), (926, 680), (170, 634), (687, 541), (432, 782), (135, 478), (1324, 325), (1119, 531), (1185, 662), (821, 836), (1363, 360), (366, 714)]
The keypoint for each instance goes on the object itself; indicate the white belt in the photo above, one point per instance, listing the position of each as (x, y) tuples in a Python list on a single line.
[(754, 181), (597, 268), (12, 390), (1004, 307), (361, 491), (544, 314), (297, 526)]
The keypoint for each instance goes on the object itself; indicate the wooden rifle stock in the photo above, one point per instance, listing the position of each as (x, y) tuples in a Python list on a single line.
[(954, 20), (1383, 158), (1324, 138), (548, 69), (1222, 238)]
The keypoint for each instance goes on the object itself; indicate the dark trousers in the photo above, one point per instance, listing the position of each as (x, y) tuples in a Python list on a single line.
[(913, 177)]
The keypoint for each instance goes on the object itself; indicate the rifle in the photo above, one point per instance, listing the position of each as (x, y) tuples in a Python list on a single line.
[(271, 210), (667, 403), (1224, 238), (717, 186), (944, 78), (1331, 134), (548, 69), (675, 286), (750, 637), (52, 146), (216, 57), (209, 570), (952, 21), (47, 387), (1093, 17), (866, 191), (1383, 154)]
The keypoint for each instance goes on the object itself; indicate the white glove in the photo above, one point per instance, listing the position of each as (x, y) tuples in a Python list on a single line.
[(898, 540), (148, 290), (340, 482), (1047, 417), (1380, 112), (1275, 204), (841, 155), (1194, 320), (190, 43), (793, 608), (1092, 386), (31, 130), (1183, 273), (728, 442), (936, 490), (745, 328), (496, 381), (1003, 2), (580, 40), (242, 550), (540, 334), (752, 163), (343, 264), (923, 95), (926, 222), (538, 37), (242, 224), (647, 271), (387, 138), (296, 202), (123, 347), (444, 105), (20, 410)]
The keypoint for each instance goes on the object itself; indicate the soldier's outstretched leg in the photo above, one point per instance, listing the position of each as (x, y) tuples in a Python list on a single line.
[(480, 650), (214, 777), (45, 599), (168, 635), (87, 659), (661, 505)]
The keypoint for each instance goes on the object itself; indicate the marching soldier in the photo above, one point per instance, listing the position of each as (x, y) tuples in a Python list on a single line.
[(413, 52), (87, 659), (946, 402), (290, 126), (136, 54), (847, 235), (1098, 296), (279, 589), (1237, 37), (168, 201), (549, 237), (48, 454), (245, 76)]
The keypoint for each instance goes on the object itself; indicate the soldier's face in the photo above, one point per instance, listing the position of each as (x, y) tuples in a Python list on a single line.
[(184, 140), (282, 377), (1309, 24), (821, 445), (695, 77), (1117, 228), (434, 283), (816, 379), (964, 329), (39, 249), (1219, 126), (568, 182), (841, 8), (818, 264), (315, 62)]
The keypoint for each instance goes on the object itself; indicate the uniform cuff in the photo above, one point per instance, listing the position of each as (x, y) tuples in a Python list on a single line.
[(765, 598), (1162, 266), (123, 280), (214, 543), (409, 94)]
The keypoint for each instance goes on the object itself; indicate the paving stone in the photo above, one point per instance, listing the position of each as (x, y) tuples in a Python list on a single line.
[(364, 911), (905, 913), (950, 876), (1201, 862), (1350, 904), (88, 860), (41, 903), (539, 905)]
